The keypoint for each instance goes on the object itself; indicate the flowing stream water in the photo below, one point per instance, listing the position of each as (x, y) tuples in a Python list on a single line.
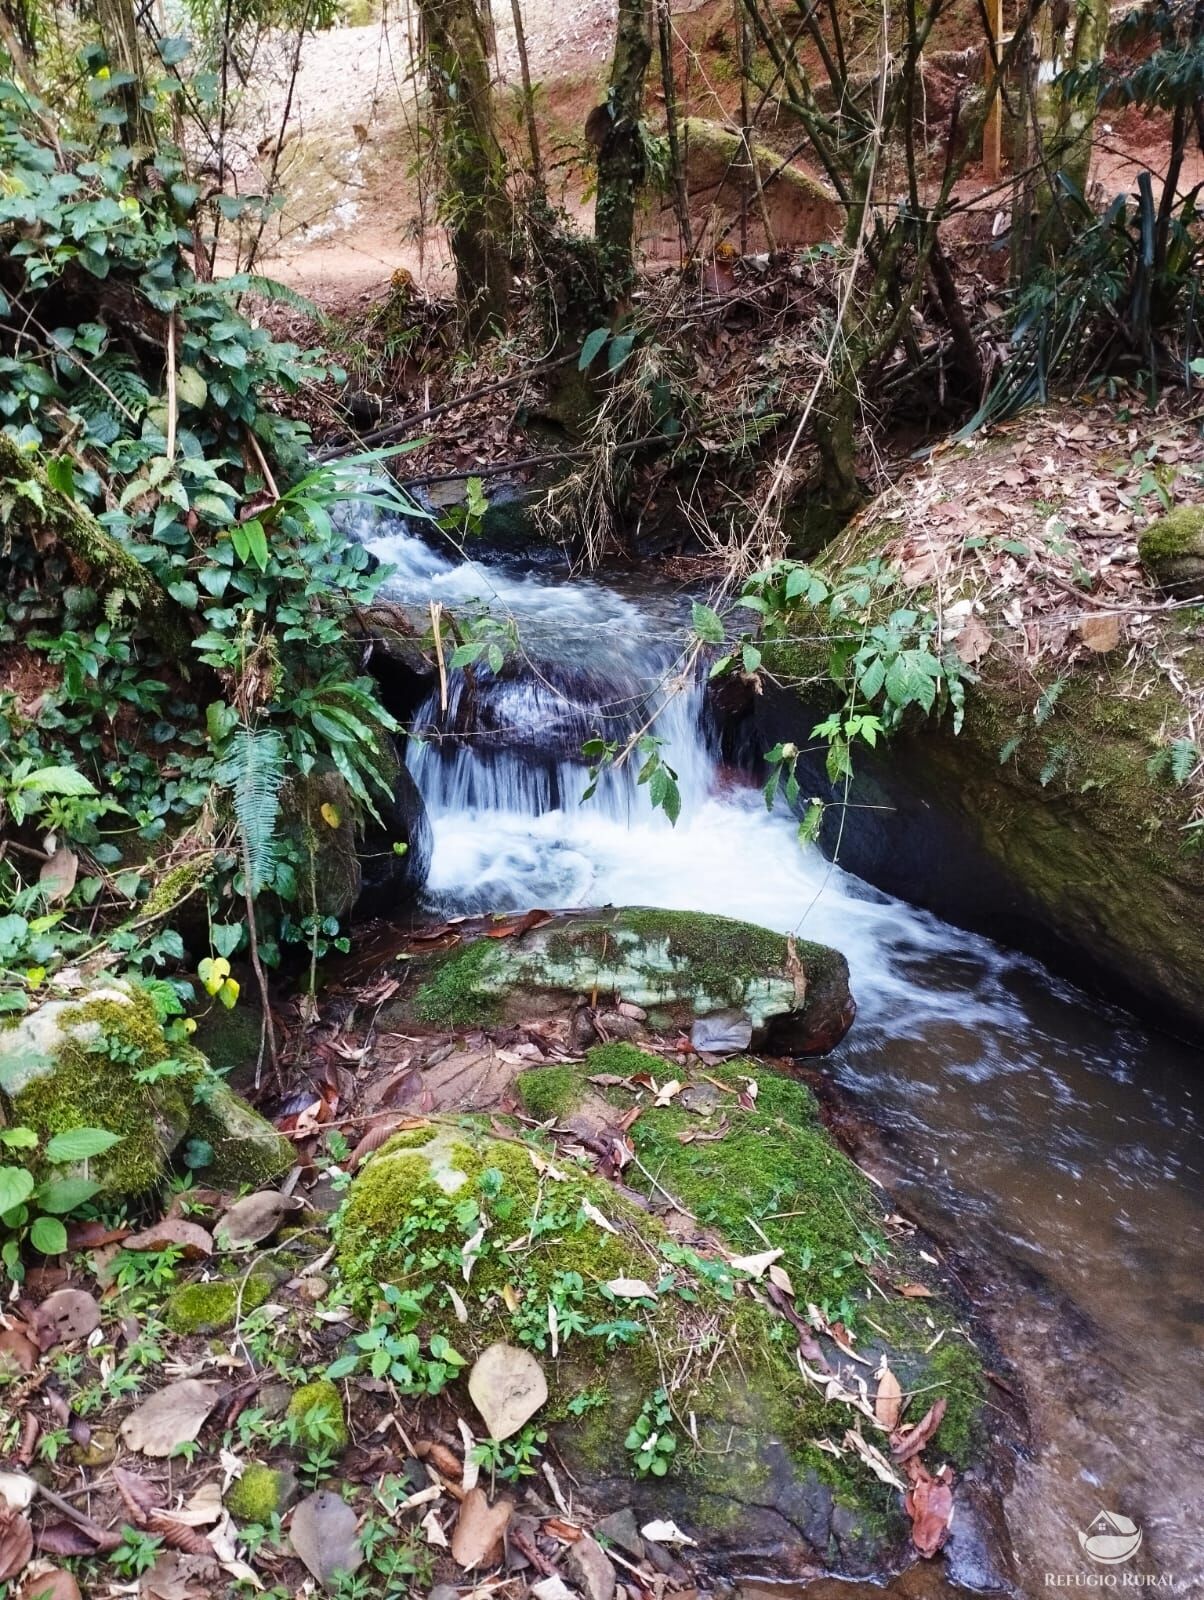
[(1049, 1138)]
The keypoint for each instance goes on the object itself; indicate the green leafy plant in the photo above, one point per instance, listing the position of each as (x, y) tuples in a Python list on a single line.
[(31, 1209), (650, 1440)]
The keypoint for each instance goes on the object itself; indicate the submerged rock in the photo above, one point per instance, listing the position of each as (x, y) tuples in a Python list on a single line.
[(75, 1063), (676, 966)]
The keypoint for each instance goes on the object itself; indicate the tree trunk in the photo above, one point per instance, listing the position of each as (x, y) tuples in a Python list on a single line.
[(119, 35), (616, 130), (1072, 37), (475, 205)]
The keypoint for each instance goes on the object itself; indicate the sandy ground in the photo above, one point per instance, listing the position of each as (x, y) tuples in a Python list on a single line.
[(356, 179)]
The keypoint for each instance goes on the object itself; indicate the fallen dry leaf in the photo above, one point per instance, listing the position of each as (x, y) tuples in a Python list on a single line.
[(755, 1265), (58, 875), (249, 1222), (630, 1289), (904, 1445), (507, 1386), (190, 1237), (661, 1531), (973, 642), (172, 1417), (874, 1459), (65, 1315), (16, 1543), (479, 1529), (324, 1533), (929, 1504), (51, 1583), (18, 1353), (888, 1402), (1100, 634)]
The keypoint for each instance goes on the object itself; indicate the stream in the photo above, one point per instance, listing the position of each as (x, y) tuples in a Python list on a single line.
[(1045, 1136)]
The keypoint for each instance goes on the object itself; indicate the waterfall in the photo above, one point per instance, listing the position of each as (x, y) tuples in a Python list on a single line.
[(1033, 1124)]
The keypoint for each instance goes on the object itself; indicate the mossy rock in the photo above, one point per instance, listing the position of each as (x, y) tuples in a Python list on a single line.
[(247, 1150), (75, 1064), (677, 965), (260, 1494), (1051, 821), (755, 1482), (801, 209), (200, 1308), (1172, 552), (315, 1415)]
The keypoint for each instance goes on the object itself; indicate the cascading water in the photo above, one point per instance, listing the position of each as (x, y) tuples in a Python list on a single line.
[(1038, 1130)]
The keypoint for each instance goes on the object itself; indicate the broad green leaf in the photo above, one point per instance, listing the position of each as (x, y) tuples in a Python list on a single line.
[(58, 780), (16, 1186), (62, 1195), (49, 1236), (708, 626), (77, 1144), (592, 345)]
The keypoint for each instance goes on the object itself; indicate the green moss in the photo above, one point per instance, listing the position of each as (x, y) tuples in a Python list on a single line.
[(622, 1059), (215, 1306), (91, 1083), (176, 884), (247, 1150), (260, 1494), (955, 1371), (1179, 533), (775, 1166), (717, 950), (410, 1211), (548, 1092), (315, 1414), (456, 994)]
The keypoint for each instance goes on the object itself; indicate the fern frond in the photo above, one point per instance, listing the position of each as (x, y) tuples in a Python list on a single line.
[(255, 771), (273, 289)]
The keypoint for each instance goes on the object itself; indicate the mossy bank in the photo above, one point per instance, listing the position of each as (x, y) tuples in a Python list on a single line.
[(622, 1293), (1066, 815)]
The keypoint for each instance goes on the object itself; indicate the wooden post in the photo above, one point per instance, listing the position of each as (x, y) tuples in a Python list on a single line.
[(993, 127)]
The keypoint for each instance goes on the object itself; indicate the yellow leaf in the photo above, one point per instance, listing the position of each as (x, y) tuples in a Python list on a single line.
[(228, 993), (330, 815)]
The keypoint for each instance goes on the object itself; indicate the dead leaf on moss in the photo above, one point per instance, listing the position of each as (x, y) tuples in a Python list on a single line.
[(1100, 634), (507, 1386), (904, 1445), (888, 1402)]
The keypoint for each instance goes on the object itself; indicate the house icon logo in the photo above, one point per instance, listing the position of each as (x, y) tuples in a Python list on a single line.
[(1110, 1539)]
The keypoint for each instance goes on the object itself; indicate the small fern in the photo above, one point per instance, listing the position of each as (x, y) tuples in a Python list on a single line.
[(255, 770)]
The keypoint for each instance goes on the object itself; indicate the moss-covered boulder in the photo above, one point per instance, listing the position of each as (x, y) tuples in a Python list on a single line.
[(1065, 817), (243, 1148), (676, 965), (800, 209), (1172, 552), (89, 1061), (616, 1288)]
